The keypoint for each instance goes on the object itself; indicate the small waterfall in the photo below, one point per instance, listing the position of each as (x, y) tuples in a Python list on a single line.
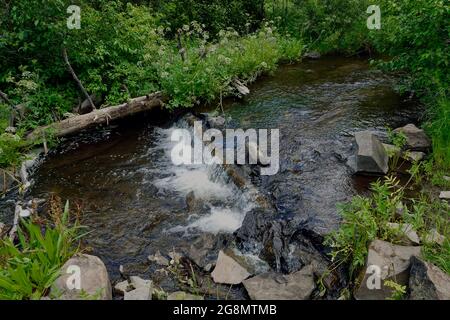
[(226, 203)]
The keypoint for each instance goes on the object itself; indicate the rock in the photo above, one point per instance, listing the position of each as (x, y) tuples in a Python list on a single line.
[(140, 289), (93, 281), (416, 139), (203, 251), (371, 156), (409, 235), (141, 293), (122, 287), (414, 156), (216, 122), (240, 87), (228, 271), (385, 261), (275, 286), (159, 259), (314, 55), (446, 178), (428, 282), (2, 229), (434, 237), (444, 195), (180, 295), (135, 289), (11, 130), (392, 150)]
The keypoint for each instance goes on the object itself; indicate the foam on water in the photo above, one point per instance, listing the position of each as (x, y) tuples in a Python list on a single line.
[(208, 184)]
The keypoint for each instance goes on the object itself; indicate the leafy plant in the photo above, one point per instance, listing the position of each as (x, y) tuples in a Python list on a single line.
[(29, 268)]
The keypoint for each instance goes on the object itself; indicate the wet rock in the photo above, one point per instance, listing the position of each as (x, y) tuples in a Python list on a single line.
[(159, 259), (194, 204), (415, 156), (371, 156), (228, 271), (275, 286), (240, 87), (385, 261), (94, 279), (416, 139), (444, 195), (314, 55), (180, 295), (434, 237), (408, 234), (205, 249), (428, 282)]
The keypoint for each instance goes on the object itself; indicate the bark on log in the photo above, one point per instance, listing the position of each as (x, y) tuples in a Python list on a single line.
[(99, 116)]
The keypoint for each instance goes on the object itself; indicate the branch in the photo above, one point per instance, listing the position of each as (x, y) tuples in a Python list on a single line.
[(66, 60)]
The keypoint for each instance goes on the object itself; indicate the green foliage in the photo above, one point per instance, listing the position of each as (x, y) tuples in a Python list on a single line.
[(366, 219), (398, 291), (28, 269)]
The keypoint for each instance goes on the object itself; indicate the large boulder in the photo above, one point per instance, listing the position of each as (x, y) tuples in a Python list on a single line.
[(428, 282), (82, 277), (275, 286), (228, 270), (385, 261), (371, 156), (416, 139)]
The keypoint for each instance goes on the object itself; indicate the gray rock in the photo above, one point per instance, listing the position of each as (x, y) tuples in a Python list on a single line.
[(216, 122), (141, 293), (2, 228), (159, 259), (371, 156), (180, 295), (94, 279), (428, 282), (446, 178), (444, 195), (409, 235), (415, 156), (314, 55), (275, 286), (416, 139), (434, 237), (228, 271), (385, 261), (135, 289)]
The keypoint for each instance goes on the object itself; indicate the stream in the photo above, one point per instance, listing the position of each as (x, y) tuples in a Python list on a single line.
[(135, 201)]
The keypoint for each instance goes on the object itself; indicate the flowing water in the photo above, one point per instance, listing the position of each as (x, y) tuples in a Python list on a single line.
[(135, 200)]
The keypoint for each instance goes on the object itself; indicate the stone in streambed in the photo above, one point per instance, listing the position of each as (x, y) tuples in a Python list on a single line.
[(228, 270), (274, 286), (371, 156), (385, 261), (93, 281), (416, 139), (428, 282)]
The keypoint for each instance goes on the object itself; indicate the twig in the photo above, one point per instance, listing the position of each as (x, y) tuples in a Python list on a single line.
[(88, 97)]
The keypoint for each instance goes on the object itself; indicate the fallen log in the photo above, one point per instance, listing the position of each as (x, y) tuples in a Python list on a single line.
[(99, 116)]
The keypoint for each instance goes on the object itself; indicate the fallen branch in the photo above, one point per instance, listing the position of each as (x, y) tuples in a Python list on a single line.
[(74, 76), (99, 116)]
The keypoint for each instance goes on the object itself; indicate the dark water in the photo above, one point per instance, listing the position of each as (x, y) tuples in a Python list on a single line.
[(134, 199)]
